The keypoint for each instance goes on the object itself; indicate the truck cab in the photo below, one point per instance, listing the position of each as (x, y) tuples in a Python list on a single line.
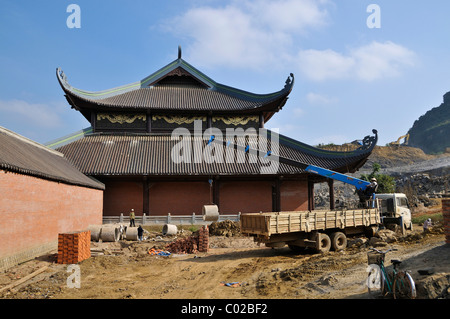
[(395, 209)]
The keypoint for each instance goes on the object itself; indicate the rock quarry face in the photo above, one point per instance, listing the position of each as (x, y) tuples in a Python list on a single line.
[(420, 188)]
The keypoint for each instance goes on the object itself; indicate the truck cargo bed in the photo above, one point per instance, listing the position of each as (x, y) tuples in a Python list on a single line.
[(267, 224)]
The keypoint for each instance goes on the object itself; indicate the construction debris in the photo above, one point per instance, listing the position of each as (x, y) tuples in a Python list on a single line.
[(158, 252), (198, 242), (226, 228)]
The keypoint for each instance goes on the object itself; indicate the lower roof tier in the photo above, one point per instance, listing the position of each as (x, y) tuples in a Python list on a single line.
[(162, 155)]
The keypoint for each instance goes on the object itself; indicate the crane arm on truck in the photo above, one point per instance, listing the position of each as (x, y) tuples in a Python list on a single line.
[(364, 188)]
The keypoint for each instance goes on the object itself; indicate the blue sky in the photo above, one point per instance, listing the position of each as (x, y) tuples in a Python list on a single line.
[(349, 78)]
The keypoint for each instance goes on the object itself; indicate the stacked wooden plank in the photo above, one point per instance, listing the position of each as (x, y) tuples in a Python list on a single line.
[(74, 247), (446, 213), (286, 222)]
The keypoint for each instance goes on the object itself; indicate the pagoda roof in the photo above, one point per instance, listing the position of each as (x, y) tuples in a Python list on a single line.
[(176, 87), (150, 155)]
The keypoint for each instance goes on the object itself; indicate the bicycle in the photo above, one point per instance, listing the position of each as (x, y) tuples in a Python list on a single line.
[(398, 283)]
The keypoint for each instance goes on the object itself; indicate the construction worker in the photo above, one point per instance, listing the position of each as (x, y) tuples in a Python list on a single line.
[(132, 217), (427, 225), (373, 185), (140, 233)]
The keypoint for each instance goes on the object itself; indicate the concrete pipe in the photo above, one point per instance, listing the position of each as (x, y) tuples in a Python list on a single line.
[(131, 233), (169, 229), (110, 233), (96, 230), (210, 213)]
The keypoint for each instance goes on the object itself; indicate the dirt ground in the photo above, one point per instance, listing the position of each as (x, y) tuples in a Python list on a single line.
[(125, 270)]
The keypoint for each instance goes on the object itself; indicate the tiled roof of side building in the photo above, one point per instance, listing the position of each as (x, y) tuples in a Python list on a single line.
[(21, 155), (154, 155)]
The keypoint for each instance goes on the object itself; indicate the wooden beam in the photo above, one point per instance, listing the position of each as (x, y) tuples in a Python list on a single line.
[(145, 196), (21, 281), (331, 192)]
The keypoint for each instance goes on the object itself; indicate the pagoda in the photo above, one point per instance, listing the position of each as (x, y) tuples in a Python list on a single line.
[(130, 144)]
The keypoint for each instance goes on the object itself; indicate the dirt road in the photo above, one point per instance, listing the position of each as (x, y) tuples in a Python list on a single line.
[(126, 270)]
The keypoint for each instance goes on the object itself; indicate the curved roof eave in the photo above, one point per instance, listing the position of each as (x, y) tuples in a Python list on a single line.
[(161, 73)]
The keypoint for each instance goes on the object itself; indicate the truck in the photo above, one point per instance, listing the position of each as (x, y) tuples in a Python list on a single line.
[(395, 209), (319, 230), (325, 230)]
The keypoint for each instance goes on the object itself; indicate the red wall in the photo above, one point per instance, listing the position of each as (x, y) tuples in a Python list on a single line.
[(294, 196), (245, 197), (178, 198), (121, 197), (33, 211), (185, 198)]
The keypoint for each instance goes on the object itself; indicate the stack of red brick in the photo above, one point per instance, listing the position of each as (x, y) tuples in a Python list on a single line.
[(198, 242), (74, 247), (446, 213), (203, 239)]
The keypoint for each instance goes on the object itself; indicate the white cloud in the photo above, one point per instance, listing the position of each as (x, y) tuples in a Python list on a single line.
[(247, 34), (298, 112), (256, 34), (318, 99), (40, 115), (370, 62)]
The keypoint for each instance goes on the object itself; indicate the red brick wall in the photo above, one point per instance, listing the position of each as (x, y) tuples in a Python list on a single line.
[(33, 211), (294, 195), (245, 197), (446, 213), (178, 198), (121, 197)]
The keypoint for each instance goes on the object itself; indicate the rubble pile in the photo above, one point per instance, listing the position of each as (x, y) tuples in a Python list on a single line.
[(226, 228), (423, 187), (198, 242)]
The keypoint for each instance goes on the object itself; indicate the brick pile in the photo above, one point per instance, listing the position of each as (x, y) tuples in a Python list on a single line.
[(74, 247), (203, 239), (446, 213), (199, 242)]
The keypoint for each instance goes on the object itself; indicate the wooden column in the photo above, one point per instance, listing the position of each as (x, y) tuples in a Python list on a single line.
[(149, 123), (311, 205), (93, 121), (145, 197), (331, 192), (276, 195), (216, 192)]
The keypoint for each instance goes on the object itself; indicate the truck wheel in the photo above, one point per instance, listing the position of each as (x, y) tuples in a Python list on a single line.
[(323, 244), (338, 241)]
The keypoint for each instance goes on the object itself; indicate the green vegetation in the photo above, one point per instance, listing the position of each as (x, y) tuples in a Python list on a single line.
[(435, 217), (386, 183)]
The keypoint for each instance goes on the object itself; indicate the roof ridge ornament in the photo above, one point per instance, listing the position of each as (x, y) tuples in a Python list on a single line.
[(289, 81), (179, 52)]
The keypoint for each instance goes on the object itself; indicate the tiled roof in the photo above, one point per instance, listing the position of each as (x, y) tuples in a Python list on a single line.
[(21, 155), (151, 155), (156, 93)]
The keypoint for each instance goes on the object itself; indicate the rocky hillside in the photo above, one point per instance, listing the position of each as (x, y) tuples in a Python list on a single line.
[(432, 130), (422, 176)]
